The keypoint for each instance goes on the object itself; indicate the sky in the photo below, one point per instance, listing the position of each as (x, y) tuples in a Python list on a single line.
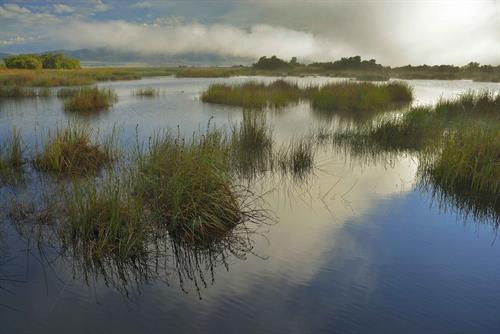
[(394, 32)]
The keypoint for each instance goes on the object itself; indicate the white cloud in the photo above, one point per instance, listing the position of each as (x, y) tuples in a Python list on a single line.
[(99, 6), (62, 9), (13, 11), (13, 40), (142, 4), (14, 8)]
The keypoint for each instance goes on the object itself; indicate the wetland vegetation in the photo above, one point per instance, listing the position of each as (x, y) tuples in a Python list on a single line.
[(349, 67), (342, 96), (185, 203), (89, 99), (75, 77), (457, 142), (73, 150)]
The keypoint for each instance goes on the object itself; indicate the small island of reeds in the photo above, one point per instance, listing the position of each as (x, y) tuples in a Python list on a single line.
[(89, 99), (341, 96)]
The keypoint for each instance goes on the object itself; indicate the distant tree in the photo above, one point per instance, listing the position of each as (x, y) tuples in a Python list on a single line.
[(272, 63), (27, 61), (47, 60), (350, 63), (59, 61)]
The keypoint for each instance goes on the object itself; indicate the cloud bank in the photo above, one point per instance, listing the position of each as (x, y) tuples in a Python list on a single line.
[(393, 32), (220, 39)]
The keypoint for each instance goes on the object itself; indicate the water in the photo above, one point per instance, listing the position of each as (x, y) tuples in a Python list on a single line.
[(355, 248)]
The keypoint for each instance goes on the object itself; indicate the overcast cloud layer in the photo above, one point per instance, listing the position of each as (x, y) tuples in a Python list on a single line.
[(392, 32)]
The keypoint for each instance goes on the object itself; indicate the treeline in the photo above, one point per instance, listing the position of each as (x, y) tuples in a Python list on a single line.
[(39, 61), (473, 70), (350, 63)]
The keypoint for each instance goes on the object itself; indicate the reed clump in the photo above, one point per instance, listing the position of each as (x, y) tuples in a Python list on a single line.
[(252, 144), (469, 105), (102, 218), (421, 127), (188, 187), (254, 94), (340, 96), (465, 172), (297, 158), (469, 159), (71, 150), (360, 96), (11, 156), (90, 99), (147, 92), (253, 133)]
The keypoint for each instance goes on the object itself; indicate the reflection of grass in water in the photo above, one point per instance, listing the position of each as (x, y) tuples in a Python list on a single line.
[(89, 99), (71, 150), (147, 91), (11, 158), (19, 92), (162, 258)]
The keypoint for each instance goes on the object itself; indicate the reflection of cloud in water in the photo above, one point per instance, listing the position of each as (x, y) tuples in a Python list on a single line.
[(309, 219)]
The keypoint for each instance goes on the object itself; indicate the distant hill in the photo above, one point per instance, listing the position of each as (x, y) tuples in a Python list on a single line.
[(103, 57), (108, 57)]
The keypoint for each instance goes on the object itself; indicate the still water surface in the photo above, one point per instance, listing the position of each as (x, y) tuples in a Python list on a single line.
[(355, 248)]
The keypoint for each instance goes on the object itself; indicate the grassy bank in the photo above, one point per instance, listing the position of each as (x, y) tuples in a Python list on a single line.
[(89, 99), (76, 77)]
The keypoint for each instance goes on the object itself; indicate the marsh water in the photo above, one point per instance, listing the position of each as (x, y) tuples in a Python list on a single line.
[(355, 247)]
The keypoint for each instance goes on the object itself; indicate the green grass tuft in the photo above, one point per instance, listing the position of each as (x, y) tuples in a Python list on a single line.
[(253, 94), (364, 96), (188, 186), (11, 157), (71, 150), (90, 100)]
